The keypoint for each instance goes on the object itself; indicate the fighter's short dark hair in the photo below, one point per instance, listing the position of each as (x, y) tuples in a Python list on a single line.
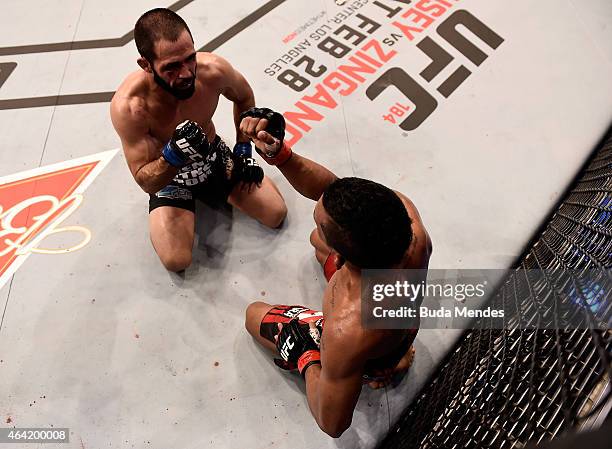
[(156, 24), (371, 226)]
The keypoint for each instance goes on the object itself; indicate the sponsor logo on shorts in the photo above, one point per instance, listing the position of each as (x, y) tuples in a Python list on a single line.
[(311, 315), (174, 193), (34, 203), (203, 168), (294, 311)]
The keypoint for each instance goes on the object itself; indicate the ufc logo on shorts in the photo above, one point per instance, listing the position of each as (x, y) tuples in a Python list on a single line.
[(287, 346)]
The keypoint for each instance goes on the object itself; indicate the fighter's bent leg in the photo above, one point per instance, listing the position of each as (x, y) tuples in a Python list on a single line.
[(255, 313), (172, 232), (264, 203)]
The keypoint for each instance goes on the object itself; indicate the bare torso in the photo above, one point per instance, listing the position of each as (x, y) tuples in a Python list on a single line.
[(139, 101), (163, 119), (342, 297)]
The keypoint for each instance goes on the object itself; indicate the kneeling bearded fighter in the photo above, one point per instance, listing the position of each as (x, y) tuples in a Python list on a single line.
[(163, 115), (359, 224)]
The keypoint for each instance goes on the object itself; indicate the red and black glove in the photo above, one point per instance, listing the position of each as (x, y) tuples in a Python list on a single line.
[(298, 346)]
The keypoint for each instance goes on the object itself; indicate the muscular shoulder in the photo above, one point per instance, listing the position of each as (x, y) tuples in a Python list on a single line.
[(417, 223), (213, 69), (129, 106), (409, 205), (219, 76)]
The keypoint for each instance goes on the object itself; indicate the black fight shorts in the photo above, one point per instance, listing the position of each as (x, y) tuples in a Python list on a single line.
[(213, 191)]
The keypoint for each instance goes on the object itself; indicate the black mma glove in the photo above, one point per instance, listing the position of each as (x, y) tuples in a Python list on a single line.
[(298, 346), (188, 139), (276, 128), (247, 170), (243, 149)]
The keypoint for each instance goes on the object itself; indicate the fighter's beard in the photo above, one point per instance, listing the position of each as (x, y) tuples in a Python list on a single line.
[(181, 94)]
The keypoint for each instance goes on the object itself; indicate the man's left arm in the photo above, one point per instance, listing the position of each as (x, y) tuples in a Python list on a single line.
[(236, 88)]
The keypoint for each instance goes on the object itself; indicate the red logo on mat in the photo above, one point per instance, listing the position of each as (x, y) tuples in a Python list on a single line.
[(34, 203)]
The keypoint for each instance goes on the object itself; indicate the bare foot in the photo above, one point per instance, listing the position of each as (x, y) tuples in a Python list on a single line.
[(406, 361), (401, 367)]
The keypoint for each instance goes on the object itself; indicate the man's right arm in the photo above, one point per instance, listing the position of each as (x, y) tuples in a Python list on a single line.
[(142, 151), (306, 176), (155, 175)]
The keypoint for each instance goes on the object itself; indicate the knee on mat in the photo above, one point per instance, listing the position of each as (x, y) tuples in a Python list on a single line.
[(176, 262), (275, 217)]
